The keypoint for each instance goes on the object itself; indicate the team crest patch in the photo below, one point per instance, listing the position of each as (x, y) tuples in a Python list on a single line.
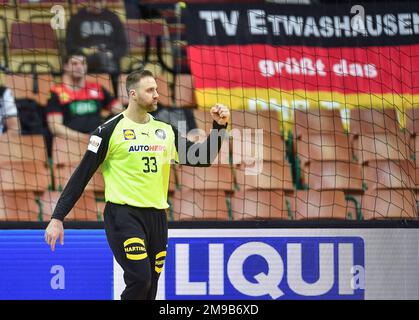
[(94, 143), (129, 134), (160, 134)]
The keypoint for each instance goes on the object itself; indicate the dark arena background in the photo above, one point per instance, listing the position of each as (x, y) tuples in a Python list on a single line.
[(314, 193)]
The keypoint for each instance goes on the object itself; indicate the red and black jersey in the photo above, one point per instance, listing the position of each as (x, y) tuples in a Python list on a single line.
[(81, 109)]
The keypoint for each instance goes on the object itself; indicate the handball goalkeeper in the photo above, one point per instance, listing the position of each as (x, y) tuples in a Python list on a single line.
[(134, 152)]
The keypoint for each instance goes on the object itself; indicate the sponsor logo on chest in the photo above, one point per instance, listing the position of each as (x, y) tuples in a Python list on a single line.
[(81, 108), (129, 134), (147, 139), (94, 143)]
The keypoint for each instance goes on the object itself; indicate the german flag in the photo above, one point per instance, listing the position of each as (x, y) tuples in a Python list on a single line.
[(263, 56)]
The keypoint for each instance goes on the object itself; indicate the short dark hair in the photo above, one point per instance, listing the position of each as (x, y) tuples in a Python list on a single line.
[(135, 76), (68, 56)]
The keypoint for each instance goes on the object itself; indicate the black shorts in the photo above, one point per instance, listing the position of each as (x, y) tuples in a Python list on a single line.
[(138, 240)]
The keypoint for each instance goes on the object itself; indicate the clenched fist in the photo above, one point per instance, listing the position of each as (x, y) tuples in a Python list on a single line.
[(220, 113)]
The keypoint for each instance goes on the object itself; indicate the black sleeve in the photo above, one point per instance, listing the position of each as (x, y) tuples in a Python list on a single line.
[(200, 154), (107, 99), (94, 156), (53, 104)]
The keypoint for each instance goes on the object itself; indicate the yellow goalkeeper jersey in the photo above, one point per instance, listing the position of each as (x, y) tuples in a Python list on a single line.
[(135, 161)]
